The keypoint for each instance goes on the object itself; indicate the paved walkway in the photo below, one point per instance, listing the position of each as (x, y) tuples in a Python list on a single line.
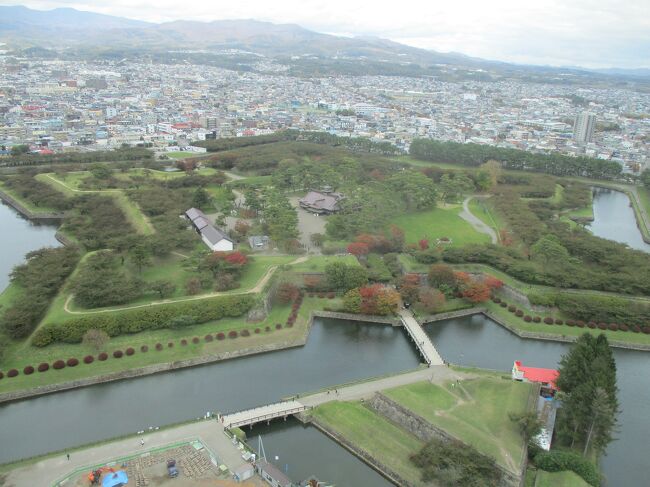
[(478, 224), (436, 374), (45, 472), (421, 339)]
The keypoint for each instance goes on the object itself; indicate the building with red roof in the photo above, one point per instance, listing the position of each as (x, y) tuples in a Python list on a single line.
[(545, 377)]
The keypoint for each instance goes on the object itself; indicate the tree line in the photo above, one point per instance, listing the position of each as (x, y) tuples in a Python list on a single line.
[(122, 154), (475, 155)]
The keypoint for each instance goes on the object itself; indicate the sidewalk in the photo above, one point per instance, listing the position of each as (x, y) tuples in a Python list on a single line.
[(45, 472)]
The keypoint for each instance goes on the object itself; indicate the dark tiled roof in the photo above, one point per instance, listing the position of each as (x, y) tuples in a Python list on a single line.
[(194, 213), (322, 201), (200, 222), (213, 235)]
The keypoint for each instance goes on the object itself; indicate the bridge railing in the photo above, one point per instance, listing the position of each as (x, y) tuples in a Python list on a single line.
[(263, 417), (427, 359)]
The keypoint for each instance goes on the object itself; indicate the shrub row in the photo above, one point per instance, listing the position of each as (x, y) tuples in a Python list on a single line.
[(149, 318), (88, 359), (577, 323)]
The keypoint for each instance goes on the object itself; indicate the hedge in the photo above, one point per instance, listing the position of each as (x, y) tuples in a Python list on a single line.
[(43, 367), (118, 354), (12, 373), (29, 370), (89, 359), (130, 351), (159, 346), (137, 320), (1, 374), (232, 334), (102, 356), (221, 336), (58, 364), (72, 362), (561, 460), (208, 338), (144, 348), (245, 333)]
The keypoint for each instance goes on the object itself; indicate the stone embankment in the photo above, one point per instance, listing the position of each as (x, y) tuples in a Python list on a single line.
[(148, 370), (20, 208), (381, 320), (363, 455), (425, 431)]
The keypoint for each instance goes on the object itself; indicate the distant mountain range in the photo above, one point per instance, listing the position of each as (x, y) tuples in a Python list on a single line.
[(21, 28)]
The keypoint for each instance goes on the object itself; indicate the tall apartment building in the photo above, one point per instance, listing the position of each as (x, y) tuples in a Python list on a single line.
[(583, 128)]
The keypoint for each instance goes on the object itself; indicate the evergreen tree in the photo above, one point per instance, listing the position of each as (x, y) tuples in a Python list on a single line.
[(588, 390)]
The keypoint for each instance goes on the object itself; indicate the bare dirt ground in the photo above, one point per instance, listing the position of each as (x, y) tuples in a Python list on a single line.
[(194, 466), (308, 224)]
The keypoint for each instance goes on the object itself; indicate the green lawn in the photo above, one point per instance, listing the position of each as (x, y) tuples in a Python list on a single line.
[(370, 432), (317, 263), (20, 354), (411, 265), (419, 163), (437, 223), (476, 412), (559, 479), (563, 330)]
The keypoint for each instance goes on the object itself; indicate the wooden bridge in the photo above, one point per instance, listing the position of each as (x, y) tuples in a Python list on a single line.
[(262, 413), (421, 339)]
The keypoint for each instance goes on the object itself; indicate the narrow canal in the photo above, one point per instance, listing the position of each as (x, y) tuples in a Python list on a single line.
[(614, 219), (479, 342), (336, 352), (19, 236)]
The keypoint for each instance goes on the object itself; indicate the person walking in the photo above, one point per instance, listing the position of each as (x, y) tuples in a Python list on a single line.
[(68, 455), (142, 442)]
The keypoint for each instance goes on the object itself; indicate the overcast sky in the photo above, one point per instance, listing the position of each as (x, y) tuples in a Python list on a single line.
[(590, 33)]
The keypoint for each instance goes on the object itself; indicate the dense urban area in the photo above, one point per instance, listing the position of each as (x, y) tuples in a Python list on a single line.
[(65, 105)]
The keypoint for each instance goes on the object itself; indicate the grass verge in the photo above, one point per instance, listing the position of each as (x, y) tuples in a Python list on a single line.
[(474, 411)]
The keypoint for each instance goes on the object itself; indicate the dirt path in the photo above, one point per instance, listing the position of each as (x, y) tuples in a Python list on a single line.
[(476, 222), (256, 289)]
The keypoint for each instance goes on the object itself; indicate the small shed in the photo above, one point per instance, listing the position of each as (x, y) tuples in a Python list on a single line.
[(272, 475), (244, 472), (258, 242)]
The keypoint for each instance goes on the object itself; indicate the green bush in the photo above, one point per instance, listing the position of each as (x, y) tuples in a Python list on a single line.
[(149, 318), (542, 299), (561, 460)]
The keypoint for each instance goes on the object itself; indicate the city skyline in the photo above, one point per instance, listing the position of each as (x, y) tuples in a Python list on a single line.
[(591, 35)]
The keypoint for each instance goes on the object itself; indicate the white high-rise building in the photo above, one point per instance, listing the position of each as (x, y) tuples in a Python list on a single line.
[(583, 128)]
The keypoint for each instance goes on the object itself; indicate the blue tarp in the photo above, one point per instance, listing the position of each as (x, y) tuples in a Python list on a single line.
[(115, 479)]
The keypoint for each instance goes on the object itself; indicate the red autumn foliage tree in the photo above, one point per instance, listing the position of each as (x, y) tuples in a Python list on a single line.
[(492, 282), (378, 300), (423, 244), (476, 292), (287, 293), (358, 249), (236, 258)]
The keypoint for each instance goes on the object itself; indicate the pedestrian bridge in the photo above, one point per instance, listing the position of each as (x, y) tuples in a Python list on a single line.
[(262, 413), (421, 339)]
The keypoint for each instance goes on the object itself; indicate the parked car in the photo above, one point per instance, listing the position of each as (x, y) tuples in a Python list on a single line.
[(172, 471)]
